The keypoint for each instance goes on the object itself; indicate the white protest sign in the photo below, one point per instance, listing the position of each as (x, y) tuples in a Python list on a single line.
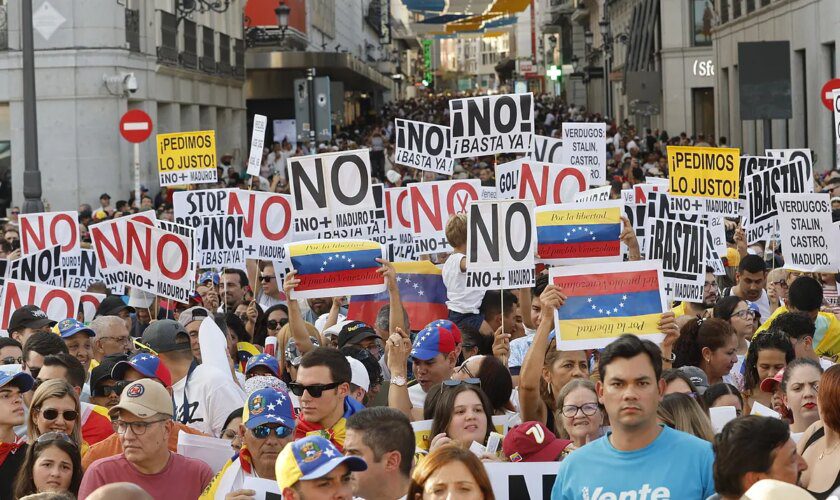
[(219, 243), (377, 230), (213, 451), (835, 100), (713, 259), (257, 141), (267, 222), (717, 234), (544, 183), (762, 213), (42, 267), (750, 165), (721, 415), (85, 274), (760, 409), (424, 146), (809, 241), (332, 194), (431, 205), (547, 149), (190, 207), (264, 489), (56, 303), (585, 146), (493, 124), (89, 303), (43, 230), (636, 209), (596, 194), (285, 130), (682, 248), (212, 342), (501, 238), (398, 220), (4, 270), (522, 480)]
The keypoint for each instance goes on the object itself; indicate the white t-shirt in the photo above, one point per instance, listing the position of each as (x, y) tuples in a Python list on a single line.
[(763, 304), (458, 298), (211, 396), (417, 396)]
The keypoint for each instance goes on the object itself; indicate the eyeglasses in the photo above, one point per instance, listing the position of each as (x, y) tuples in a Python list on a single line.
[(11, 360), (315, 390), (588, 409), (138, 428), (263, 431), (273, 324), (465, 369), (781, 283), (469, 381), (745, 314), (143, 347), (106, 390), (50, 437), (266, 279), (52, 414), (230, 434)]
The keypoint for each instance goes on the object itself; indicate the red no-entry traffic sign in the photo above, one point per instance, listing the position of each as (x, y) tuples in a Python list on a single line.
[(135, 126), (829, 87)]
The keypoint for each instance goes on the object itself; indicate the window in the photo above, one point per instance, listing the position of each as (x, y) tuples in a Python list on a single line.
[(750, 6), (701, 22), (736, 9), (724, 11)]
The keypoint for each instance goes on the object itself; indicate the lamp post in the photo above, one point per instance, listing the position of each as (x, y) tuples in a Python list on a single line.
[(604, 26), (282, 13), (31, 175)]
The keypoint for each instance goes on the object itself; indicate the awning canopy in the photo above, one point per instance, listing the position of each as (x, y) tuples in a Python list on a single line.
[(346, 68)]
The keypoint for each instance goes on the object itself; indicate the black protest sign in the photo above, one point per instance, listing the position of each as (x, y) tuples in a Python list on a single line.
[(682, 248), (219, 242), (752, 165), (493, 124), (424, 146), (635, 208), (762, 213), (41, 267), (501, 239), (547, 149)]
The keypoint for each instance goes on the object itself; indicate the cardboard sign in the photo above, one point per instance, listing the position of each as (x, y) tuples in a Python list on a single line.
[(42, 267), (501, 239), (265, 489), (717, 234), (579, 233), (704, 172), (332, 194), (585, 146), (493, 124), (44, 230), (377, 230), (257, 141), (544, 183), (339, 267), (89, 304), (762, 188), (267, 224), (424, 146), (597, 194), (547, 149), (810, 242), (57, 303), (835, 100), (398, 224), (219, 242), (522, 480), (187, 158), (190, 207), (682, 248), (431, 205), (636, 209)]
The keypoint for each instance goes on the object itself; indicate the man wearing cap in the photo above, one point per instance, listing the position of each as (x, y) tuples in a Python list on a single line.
[(267, 427), (111, 337), (293, 355), (262, 364), (359, 334), (697, 376), (313, 467), (143, 420), (359, 380), (113, 305), (204, 396), (27, 320), (77, 338), (12, 412), (104, 390), (533, 442), (191, 320)]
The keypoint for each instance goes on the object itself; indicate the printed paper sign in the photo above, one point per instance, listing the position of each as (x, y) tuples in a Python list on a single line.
[(338, 267), (187, 158), (635, 209), (547, 149), (267, 224), (681, 246), (544, 183), (85, 274), (835, 100), (219, 243), (501, 239), (257, 141), (762, 188), (190, 207), (493, 124), (717, 234), (40, 231), (752, 165), (57, 303), (605, 301), (579, 233), (585, 146), (810, 242), (265, 489), (522, 480), (42, 267), (398, 220), (704, 172), (424, 146), (431, 205), (597, 194)]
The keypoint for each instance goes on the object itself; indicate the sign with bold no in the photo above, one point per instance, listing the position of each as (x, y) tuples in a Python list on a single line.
[(547, 149), (431, 205), (42, 267), (267, 225), (187, 157), (493, 124), (57, 303), (501, 236), (43, 230), (810, 242), (219, 242), (544, 183), (522, 480), (424, 146), (398, 214)]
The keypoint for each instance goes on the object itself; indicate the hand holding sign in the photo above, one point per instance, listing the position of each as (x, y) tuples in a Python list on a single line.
[(628, 237), (501, 345), (335, 267)]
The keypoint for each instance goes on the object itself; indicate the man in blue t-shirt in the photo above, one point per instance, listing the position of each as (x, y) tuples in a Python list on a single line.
[(638, 458)]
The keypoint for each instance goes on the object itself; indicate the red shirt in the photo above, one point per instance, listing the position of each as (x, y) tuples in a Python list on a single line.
[(181, 478)]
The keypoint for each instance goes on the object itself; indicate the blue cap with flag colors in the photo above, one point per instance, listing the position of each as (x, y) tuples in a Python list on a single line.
[(209, 276), (448, 325), (268, 406), (71, 326), (310, 458), (431, 341), (147, 364), (265, 360), (21, 380)]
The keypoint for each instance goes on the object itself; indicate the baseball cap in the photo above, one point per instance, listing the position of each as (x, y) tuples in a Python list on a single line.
[(162, 336), (770, 384), (209, 276), (311, 458), (697, 376), (333, 330), (265, 360), (29, 317), (533, 442), (268, 406), (105, 368), (71, 326), (359, 374), (293, 354), (449, 325), (111, 306), (753, 306), (147, 364), (354, 332), (196, 313), (104, 195), (21, 380), (432, 341), (144, 398)]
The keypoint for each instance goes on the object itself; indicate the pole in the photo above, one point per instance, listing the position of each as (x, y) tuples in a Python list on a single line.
[(768, 135), (31, 175), (137, 174), (310, 85)]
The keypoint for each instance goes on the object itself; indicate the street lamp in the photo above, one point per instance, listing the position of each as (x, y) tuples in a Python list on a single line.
[(588, 38), (282, 13), (257, 35)]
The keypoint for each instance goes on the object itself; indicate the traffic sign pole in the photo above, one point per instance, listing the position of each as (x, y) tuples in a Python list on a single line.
[(137, 174), (136, 127)]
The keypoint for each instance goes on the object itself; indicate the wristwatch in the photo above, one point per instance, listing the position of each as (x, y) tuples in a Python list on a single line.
[(671, 359), (398, 381)]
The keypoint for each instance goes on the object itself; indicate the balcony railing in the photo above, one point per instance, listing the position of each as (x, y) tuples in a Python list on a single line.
[(189, 56), (225, 67), (239, 58), (167, 51), (208, 52), (132, 29)]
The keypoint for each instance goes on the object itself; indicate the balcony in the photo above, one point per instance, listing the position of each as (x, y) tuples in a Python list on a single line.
[(132, 29), (167, 50), (224, 55), (239, 58), (207, 63), (189, 56)]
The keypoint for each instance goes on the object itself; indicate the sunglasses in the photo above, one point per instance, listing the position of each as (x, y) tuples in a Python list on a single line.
[(107, 390), (315, 390), (746, 313), (52, 414), (469, 381), (51, 437), (273, 324), (11, 360), (263, 431), (266, 279)]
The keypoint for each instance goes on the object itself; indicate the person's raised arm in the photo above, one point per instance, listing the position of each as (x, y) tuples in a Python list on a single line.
[(628, 237), (525, 307), (296, 323), (398, 347), (668, 325), (396, 319)]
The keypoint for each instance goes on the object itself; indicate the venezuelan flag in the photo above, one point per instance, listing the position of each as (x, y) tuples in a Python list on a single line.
[(575, 233), (336, 267), (422, 293)]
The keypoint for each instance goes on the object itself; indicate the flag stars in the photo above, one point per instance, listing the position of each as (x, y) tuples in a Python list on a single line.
[(589, 300), (623, 297)]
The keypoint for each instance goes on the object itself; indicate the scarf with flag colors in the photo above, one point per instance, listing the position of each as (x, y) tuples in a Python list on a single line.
[(328, 268), (577, 233)]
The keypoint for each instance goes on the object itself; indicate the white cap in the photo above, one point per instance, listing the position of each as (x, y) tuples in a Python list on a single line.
[(360, 375), (773, 489), (632, 144), (333, 330), (139, 299)]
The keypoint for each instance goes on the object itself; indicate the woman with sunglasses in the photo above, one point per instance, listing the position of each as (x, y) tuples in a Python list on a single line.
[(55, 408), (270, 322), (580, 413), (737, 313), (463, 414), (52, 464), (495, 378)]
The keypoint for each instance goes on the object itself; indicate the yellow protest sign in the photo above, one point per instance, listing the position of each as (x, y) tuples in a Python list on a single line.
[(187, 157), (704, 172)]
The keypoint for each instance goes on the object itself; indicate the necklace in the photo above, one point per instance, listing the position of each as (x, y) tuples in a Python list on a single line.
[(826, 452)]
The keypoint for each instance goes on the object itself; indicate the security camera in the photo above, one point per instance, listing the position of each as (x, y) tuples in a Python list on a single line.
[(130, 82)]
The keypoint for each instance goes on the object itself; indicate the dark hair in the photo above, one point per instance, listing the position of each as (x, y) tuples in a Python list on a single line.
[(698, 334), (770, 339), (726, 306), (9, 342), (496, 381), (243, 278), (371, 364), (44, 343), (75, 370), (746, 444), (385, 429), (445, 407), (331, 358), (795, 325), (629, 346), (752, 264), (539, 285), (237, 413), (828, 396), (235, 324), (805, 294), (25, 483), (472, 337), (491, 305), (717, 391), (260, 330), (795, 364)]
